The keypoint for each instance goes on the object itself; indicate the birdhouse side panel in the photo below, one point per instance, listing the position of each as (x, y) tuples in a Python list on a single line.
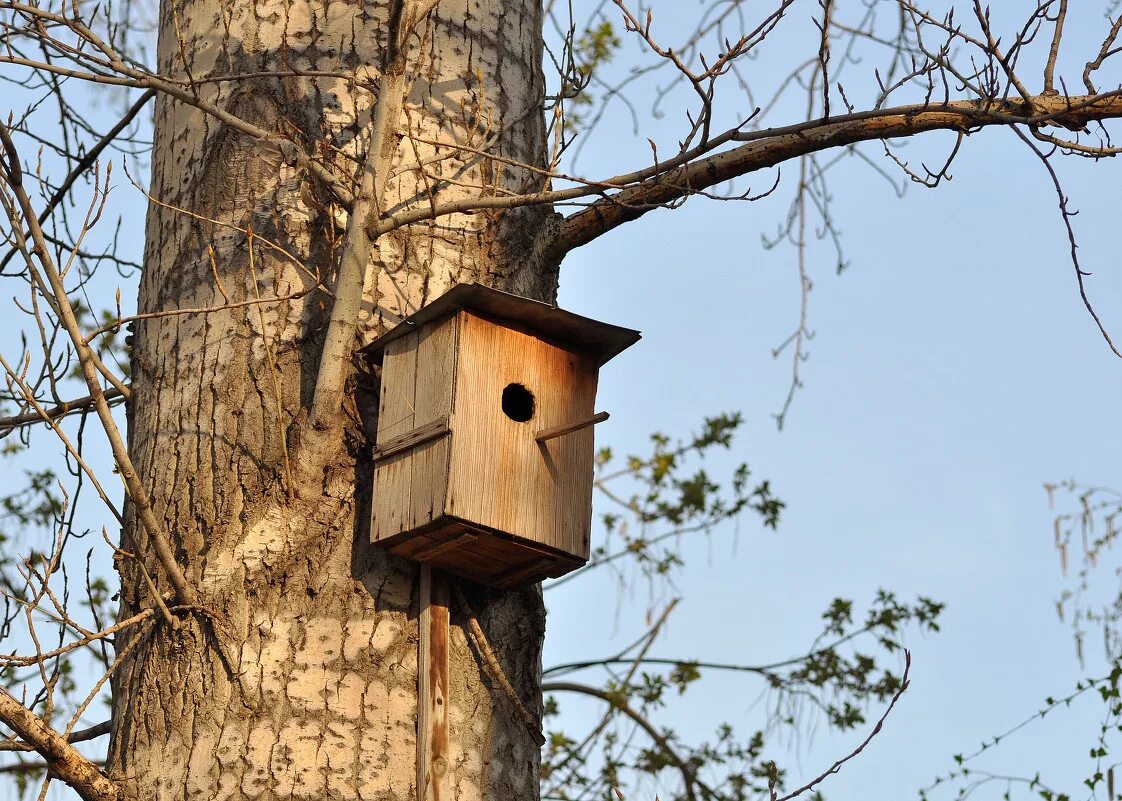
[(436, 363), (411, 452), (393, 476), (509, 386)]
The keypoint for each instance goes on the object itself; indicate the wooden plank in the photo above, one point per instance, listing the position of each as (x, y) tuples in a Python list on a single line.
[(424, 659), (439, 784), (523, 573), (396, 406), (470, 564), (435, 549), (510, 551), (408, 543), (500, 476), (418, 436), (393, 477), (569, 428), (545, 319), (492, 551), (562, 566), (405, 546), (436, 355), (480, 557)]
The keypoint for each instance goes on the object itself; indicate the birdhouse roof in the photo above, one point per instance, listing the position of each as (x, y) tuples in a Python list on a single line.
[(601, 340)]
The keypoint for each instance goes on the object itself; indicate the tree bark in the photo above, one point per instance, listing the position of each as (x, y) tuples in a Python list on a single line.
[(296, 676)]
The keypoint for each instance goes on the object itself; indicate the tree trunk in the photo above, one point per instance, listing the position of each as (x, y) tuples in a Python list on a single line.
[(297, 678)]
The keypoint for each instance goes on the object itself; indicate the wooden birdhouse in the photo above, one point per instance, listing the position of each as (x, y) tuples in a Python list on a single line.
[(483, 460)]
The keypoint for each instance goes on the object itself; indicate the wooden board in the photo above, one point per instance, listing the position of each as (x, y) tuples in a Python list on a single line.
[(500, 477), (490, 558), (439, 786), (436, 353), (546, 320), (432, 688), (424, 660), (410, 480), (393, 477)]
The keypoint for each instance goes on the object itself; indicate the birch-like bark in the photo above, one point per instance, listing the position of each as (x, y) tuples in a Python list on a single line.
[(320, 627)]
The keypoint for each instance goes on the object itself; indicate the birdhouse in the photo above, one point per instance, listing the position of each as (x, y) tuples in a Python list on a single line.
[(484, 454)]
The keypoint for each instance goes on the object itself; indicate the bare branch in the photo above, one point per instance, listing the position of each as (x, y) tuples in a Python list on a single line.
[(1054, 50), (1066, 215), (80, 736), (774, 146), (86, 778), (491, 662), (87, 161), (8, 424), (864, 743), (1105, 52), (689, 778), (358, 243), (139, 495)]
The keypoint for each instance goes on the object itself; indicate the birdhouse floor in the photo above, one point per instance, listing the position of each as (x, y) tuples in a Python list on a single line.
[(481, 555)]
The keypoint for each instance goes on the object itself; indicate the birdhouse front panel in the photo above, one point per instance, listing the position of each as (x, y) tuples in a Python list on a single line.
[(510, 386)]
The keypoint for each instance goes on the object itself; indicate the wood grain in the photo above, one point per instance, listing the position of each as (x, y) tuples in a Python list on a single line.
[(424, 659), (462, 486), (436, 354), (569, 428), (415, 438), (483, 556), (394, 476), (438, 786), (502, 478)]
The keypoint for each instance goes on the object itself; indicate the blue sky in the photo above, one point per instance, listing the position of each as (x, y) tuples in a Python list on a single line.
[(942, 390), (952, 372)]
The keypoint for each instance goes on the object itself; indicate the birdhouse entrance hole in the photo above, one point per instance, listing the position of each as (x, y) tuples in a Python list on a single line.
[(518, 403)]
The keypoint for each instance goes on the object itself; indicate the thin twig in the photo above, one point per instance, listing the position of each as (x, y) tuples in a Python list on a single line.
[(88, 160), (358, 243), (837, 766), (57, 412), (689, 778), (1073, 246), (139, 495), (1054, 50)]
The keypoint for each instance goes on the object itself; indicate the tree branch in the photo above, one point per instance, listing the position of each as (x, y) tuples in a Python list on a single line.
[(80, 736), (112, 395), (491, 662), (698, 169), (63, 759), (13, 176), (87, 161), (327, 400), (688, 775), (772, 147), (852, 754), (142, 79)]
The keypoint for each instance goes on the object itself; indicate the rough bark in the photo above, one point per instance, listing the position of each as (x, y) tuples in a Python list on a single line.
[(297, 677)]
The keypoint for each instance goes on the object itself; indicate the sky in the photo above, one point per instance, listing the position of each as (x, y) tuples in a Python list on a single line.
[(952, 372)]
